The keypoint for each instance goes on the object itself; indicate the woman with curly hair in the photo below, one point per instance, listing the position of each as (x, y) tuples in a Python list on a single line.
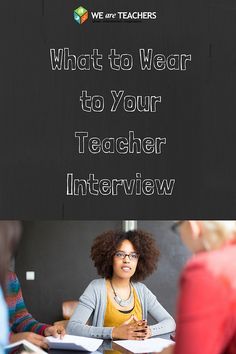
[(118, 302)]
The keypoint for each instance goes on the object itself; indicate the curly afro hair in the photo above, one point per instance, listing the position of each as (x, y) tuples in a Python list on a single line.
[(105, 246)]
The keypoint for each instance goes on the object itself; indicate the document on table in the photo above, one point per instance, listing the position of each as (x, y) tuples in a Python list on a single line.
[(74, 343), (23, 345), (145, 346)]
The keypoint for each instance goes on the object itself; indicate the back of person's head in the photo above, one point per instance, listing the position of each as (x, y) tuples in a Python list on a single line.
[(10, 232), (216, 233)]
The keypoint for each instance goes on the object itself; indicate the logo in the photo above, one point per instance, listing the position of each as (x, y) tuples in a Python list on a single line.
[(80, 15)]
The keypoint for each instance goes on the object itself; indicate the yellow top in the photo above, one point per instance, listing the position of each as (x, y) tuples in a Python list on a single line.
[(114, 318)]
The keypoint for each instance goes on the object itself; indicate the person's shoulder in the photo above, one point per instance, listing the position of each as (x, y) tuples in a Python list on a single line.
[(207, 276), (97, 283), (144, 292), (12, 279), (198, 271), (214, 261), (13, 284), (197, 261), (223, 256), (141, 287), (11, 276)]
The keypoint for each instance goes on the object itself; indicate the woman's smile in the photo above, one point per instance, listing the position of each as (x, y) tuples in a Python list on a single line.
[(126, 268)]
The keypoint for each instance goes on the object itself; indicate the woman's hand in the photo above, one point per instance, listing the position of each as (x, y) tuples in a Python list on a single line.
[(57, 331), (131, 329), (31, 337), (148, 332), (143, 324)]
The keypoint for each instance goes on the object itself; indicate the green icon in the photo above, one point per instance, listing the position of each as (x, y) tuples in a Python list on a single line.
[(80, 15)]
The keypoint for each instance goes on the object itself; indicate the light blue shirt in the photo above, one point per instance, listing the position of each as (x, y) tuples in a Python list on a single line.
[(4, 326), (93, 302)]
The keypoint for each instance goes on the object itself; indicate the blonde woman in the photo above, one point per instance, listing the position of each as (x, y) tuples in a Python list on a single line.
[(206, 312)]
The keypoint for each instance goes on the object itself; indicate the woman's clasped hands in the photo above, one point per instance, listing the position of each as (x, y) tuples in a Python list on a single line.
[(132, 329)]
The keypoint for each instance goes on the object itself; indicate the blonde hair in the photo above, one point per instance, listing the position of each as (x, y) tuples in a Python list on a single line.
[(218, 232)]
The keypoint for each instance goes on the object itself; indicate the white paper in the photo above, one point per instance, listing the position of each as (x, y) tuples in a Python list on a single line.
[(145, 346), (74, 343), (27, 345)]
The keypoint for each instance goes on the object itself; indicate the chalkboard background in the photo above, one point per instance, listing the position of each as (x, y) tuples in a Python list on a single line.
[(40, 110)]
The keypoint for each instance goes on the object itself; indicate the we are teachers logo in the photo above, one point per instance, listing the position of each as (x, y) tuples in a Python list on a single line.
[(81, 15)]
